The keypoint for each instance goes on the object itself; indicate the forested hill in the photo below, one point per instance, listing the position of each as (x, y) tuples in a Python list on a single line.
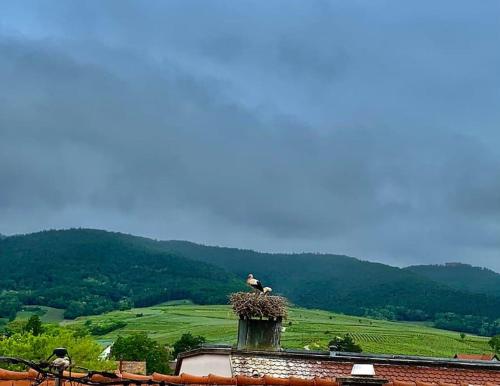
[(91, 271), (462, 277), (352, 286)]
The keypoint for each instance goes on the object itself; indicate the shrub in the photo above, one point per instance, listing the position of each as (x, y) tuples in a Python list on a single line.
[(188, 342), (346, 344)]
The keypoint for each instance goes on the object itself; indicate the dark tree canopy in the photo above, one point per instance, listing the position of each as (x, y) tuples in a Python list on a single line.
[(139, 347), (89, 272), (187, 342), (34, 325)]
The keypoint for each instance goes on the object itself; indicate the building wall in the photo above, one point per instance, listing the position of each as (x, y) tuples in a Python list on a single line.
[(205, 364), (132, 367)]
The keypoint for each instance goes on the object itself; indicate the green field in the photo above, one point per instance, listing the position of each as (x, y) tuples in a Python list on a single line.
[(304, 328), (46, 314)]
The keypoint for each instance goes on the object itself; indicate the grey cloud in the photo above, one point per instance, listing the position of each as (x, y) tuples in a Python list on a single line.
[(335, 127)]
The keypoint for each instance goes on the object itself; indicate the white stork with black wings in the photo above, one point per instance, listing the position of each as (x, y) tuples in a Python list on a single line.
[(254, 283), (257, 285)]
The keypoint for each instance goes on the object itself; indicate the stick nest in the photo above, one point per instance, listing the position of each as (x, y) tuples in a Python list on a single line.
[(256, 305)]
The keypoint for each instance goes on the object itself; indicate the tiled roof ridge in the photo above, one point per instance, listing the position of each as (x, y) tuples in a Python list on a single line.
[(211, 379), (182, 379)]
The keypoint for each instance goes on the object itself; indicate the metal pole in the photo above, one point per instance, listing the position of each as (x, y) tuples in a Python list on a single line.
[(58, 381)]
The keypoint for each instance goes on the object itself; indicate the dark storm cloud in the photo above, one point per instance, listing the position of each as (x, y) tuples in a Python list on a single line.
[(366, 128)]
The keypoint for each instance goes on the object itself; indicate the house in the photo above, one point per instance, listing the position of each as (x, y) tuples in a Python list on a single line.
[(225, 365), (477, 357), (308, 368), (258, 359)]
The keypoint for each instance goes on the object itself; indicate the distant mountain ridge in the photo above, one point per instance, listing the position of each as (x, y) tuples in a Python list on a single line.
[(343, 283), (90, 271), (461, 276)]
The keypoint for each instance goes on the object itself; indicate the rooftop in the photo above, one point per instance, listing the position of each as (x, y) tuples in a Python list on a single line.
[(290, 365), (308, 368), (478, 357)]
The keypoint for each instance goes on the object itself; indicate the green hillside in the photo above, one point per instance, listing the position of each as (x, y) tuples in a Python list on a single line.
[(87, 271), (345, 284), (90, 272), (46, 314), (304, 327), (463, 277)]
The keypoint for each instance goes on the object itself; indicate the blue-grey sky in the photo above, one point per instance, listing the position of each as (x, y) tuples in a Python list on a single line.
[(369, 128)]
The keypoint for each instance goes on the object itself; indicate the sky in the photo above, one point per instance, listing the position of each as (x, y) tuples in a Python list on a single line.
[(367, 128)]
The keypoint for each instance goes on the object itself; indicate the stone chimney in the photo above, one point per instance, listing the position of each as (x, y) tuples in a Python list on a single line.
[(259, 334)]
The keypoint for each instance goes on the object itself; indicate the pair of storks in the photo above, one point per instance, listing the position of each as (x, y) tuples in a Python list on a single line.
[(257, 285)]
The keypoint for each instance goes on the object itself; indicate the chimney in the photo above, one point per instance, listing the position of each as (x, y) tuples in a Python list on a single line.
[(260, 318), (259, 334), (362, 375)]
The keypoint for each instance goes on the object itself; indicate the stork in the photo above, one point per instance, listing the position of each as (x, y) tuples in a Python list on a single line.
[(254, 283), (267, 290)]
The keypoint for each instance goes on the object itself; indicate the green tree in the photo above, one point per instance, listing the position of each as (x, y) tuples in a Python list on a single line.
[(17, 326), (34, 325), (188, 342), (494, 342), (462, 336), (139, 347), (346, 344), (83, 350), (9, 305)]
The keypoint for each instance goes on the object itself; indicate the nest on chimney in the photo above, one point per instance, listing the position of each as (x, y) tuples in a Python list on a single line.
[(249, 305)]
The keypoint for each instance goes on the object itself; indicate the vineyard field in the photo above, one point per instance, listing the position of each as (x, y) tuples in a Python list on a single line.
[(305, 328)]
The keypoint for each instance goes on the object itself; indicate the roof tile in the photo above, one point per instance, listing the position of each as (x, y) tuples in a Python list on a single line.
[(310, 368)]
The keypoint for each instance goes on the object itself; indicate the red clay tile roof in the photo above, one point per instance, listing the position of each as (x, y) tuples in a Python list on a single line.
[(308, 369), (476, 357), (290, 365), (437, 378), (283, 367)]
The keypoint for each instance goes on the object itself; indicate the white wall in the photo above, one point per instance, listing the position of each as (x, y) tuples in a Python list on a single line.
[(207, 364)]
